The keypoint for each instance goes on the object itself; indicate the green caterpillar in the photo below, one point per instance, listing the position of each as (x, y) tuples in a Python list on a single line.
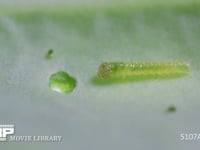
[(113, 70)]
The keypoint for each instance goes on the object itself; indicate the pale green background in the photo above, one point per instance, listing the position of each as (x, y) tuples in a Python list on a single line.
[(83, 35)]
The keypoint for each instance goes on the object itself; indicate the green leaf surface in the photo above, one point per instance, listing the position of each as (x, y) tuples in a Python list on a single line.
[(128, 115)]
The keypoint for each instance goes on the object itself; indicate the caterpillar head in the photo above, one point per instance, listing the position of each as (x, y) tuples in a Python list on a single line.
[(104, 70)]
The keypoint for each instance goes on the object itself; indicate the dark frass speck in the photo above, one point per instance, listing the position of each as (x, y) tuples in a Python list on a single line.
[(171, 109), (49, 54), (62, 82)]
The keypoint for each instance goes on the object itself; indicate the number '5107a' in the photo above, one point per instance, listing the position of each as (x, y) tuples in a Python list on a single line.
[(189, 136)]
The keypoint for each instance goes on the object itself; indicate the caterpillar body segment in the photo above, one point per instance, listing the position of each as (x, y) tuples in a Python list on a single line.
[(112, 70)]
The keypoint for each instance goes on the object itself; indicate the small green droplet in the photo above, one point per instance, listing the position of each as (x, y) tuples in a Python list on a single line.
[(62, 82), (49, 54), (171, 109)]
